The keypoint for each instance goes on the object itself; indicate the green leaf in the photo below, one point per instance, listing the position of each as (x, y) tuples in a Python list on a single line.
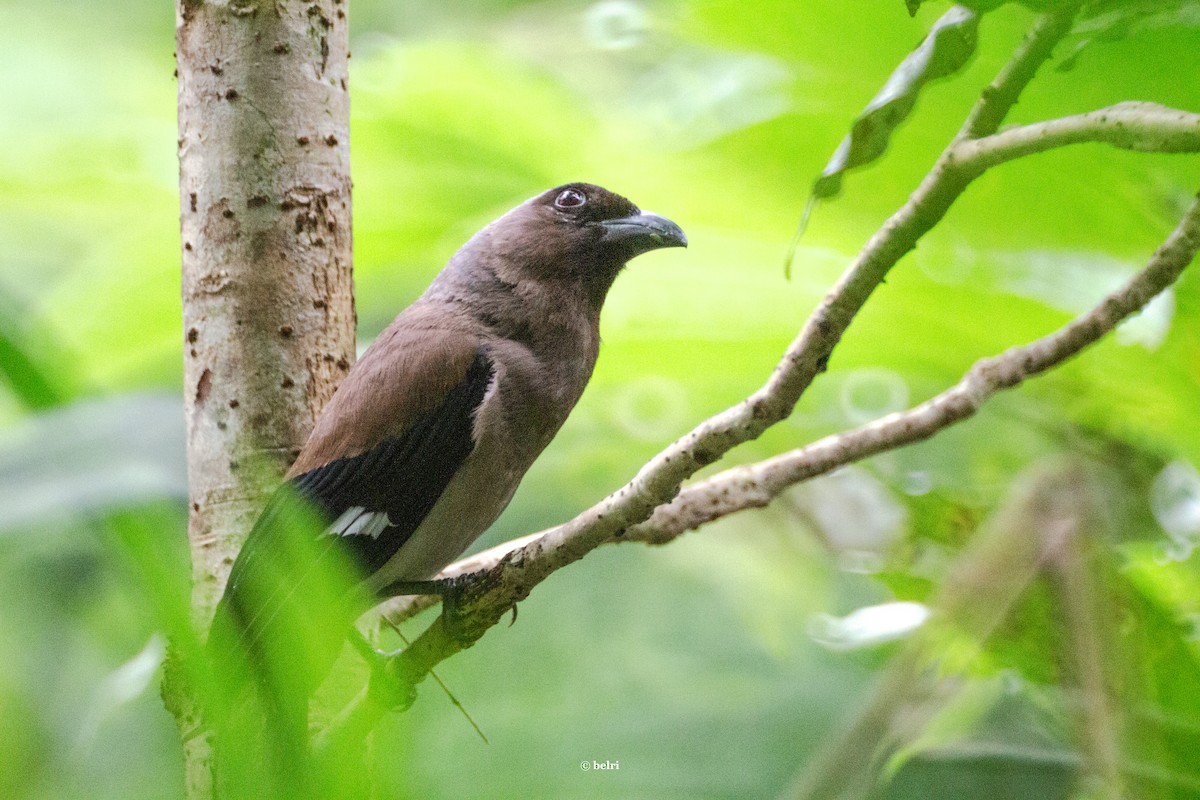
[(20, 368), (943, 52)]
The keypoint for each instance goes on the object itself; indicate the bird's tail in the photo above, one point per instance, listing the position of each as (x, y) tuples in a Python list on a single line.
[(275, 635)]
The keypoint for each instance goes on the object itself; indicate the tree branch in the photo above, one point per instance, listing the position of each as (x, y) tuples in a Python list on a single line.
[(658, 482), (1003, 93), (1130, 126), (756, 485)]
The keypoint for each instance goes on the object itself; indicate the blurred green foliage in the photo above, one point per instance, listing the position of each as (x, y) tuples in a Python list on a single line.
[(690, 666)]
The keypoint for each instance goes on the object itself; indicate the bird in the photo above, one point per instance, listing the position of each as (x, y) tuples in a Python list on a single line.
[(424, 442)]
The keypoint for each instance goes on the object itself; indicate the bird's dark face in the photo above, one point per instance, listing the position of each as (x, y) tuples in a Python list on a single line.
[(598, 218), (585, 233)]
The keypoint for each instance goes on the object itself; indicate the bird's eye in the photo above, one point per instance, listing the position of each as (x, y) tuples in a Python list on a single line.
[(570, 198)]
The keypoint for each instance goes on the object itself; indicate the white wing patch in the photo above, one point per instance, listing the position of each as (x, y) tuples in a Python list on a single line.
[(358, 521)]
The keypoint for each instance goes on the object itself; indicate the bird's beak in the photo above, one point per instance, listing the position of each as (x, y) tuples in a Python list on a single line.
[(643, 232)]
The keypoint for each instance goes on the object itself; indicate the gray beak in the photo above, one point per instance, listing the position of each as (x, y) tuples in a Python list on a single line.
[(643, 232)]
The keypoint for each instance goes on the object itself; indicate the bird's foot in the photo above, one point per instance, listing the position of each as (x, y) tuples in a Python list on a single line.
[(404, 588), (457, 595)]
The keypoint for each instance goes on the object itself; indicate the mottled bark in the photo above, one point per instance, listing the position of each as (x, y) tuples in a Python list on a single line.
[(268, 307)]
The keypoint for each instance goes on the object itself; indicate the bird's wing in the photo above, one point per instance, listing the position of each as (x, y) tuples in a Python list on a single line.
[(381, 454), (378, 497)]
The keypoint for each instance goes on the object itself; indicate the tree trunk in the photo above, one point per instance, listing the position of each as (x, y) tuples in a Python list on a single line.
[(268, 304)]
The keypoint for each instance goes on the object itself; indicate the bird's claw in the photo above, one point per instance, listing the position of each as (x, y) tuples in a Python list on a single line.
[(457, 615)]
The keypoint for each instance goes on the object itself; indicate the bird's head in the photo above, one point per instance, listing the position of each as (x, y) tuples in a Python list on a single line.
[(591, 218), (577, 233)]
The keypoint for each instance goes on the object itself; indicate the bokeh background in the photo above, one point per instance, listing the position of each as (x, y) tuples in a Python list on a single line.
[(713, 667)]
